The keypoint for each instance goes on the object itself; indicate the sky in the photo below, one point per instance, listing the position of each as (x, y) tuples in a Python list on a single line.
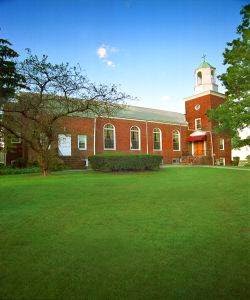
[(150, 48)]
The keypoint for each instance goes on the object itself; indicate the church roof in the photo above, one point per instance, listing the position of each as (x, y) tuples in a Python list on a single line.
[(205, 64), (145, 114), (151, 114)]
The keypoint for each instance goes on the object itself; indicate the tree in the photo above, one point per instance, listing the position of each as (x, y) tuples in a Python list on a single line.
[(234, 115), (10, 78), (56, 91)]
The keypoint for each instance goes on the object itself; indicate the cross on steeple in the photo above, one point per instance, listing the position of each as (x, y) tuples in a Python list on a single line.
[(204, 57)]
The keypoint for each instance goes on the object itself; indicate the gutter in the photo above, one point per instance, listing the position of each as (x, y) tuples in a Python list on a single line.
[(212, 146)]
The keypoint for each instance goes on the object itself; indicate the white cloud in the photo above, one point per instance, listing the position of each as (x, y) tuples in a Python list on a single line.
[(165, 98), (102, 52), (110, 63)]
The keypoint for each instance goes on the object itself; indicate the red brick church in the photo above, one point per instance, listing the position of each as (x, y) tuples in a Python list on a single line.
[(179, 138)]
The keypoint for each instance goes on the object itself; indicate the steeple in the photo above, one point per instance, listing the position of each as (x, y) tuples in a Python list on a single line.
[(205, 79)]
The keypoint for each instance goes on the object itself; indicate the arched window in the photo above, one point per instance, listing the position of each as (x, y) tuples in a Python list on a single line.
[(135, 138), (109, 137), (176, 140), (222, 144), (157, 139), (199, 77), (212, 76)]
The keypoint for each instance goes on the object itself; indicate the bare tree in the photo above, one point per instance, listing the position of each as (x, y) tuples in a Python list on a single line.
[(55, 91)]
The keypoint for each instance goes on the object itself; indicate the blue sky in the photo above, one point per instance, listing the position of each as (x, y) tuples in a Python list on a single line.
[(150, 48)]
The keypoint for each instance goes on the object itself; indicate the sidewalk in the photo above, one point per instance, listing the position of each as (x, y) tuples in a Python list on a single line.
[(203, 166)]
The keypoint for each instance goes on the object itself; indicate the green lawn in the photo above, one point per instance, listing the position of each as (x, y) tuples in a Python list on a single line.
[(180, 233)]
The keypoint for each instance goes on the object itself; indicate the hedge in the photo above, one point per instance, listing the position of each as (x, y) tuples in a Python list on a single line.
[(125, 162), (13, 171), (235, 161)]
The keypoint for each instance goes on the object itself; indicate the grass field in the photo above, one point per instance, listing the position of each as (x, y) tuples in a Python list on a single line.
[(180, 233)]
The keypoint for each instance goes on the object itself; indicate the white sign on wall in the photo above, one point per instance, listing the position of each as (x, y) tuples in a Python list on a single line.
[(64, 144)]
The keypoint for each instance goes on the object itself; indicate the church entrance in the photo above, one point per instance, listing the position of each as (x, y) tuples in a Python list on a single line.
[(198, 148)]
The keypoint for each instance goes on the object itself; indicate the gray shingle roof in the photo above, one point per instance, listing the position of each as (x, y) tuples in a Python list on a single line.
[(143, 113), (151, 114)]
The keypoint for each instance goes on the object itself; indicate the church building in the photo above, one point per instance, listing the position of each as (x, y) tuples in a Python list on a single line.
[(179, 138)]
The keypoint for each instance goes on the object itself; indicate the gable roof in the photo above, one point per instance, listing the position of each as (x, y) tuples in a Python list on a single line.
[(140, 113), (151, 114)]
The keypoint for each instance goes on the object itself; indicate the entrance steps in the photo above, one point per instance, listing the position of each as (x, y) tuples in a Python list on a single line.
[(196, 160), (74, 162)]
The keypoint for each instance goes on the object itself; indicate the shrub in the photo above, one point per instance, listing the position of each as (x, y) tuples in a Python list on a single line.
[(20, 162), (33, 163), (247, 164), (57, 164), (236, 161), (233, 163), (125, 162), (11, 171)]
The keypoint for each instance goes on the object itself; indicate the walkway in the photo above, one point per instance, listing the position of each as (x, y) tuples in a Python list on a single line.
[(203, 166)]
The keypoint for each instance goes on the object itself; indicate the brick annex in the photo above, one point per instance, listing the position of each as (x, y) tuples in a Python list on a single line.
[(187, 138)]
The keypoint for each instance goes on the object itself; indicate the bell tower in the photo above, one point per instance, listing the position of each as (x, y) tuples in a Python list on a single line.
[(203, 141), (205, 79)]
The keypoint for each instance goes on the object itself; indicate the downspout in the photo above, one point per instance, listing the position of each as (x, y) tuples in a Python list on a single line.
[(94, 135), (180, 139), (147, 135), (212, 146)]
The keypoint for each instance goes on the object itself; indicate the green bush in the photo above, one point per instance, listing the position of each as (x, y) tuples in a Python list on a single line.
[(11, 171), (33, 163), (20, 162), (236, 161), (125, 162), (57, 164)]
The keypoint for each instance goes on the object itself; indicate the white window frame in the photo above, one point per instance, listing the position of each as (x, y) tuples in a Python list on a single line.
[(157, 130), (179, 140), (178, 159), (113, 128), (223, 144), (223, 160), (78, 140), (195, 124), (15, 142), (139, 136)]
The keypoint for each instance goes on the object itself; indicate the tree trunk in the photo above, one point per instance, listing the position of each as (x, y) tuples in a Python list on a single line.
[(44, 164), (45, 172)]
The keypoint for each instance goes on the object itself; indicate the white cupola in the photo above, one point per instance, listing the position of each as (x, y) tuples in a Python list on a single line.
[(205, 79)]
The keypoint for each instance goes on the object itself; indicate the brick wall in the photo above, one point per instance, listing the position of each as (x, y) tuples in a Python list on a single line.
[(207, 102), (122, 129), (85, 126)]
